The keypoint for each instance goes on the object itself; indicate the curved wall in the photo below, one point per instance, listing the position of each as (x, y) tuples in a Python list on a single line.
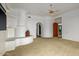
[(47, 26), (23, 23)]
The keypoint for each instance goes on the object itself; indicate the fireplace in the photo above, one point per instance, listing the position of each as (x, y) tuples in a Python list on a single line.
[(27, 33)]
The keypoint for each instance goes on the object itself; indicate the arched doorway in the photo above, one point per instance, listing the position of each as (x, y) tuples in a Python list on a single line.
[(38, 29)]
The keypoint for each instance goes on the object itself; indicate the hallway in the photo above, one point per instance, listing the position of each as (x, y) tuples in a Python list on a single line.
[(47, 47)]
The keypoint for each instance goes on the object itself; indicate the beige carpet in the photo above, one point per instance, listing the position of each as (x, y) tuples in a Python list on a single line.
[(47, 47)]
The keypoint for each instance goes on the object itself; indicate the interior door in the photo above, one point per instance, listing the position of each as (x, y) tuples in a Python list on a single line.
[(55, 29)]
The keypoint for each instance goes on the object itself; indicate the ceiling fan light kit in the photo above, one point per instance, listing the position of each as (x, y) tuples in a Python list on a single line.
[(51, 10)]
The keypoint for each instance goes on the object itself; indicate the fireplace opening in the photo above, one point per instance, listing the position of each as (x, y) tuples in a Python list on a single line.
[(27, 33)]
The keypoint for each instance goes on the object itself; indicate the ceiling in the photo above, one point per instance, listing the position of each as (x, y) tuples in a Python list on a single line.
[(42, 8)]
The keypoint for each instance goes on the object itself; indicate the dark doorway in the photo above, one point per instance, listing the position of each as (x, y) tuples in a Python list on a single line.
[(38, 29)]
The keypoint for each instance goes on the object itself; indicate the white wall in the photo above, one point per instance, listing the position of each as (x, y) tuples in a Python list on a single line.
[(70, 25), (11, 21), (10, 33), (46, 25), (16, 21), (31, 24), (21, 28), (23, 23), (20, 22), (2, 42)]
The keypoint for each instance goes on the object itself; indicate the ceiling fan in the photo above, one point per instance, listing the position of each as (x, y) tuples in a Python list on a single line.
[(51, 10)]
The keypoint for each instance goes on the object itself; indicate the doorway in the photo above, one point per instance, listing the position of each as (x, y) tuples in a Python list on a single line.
[(57, 27), (60, 30), (38, 29)]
